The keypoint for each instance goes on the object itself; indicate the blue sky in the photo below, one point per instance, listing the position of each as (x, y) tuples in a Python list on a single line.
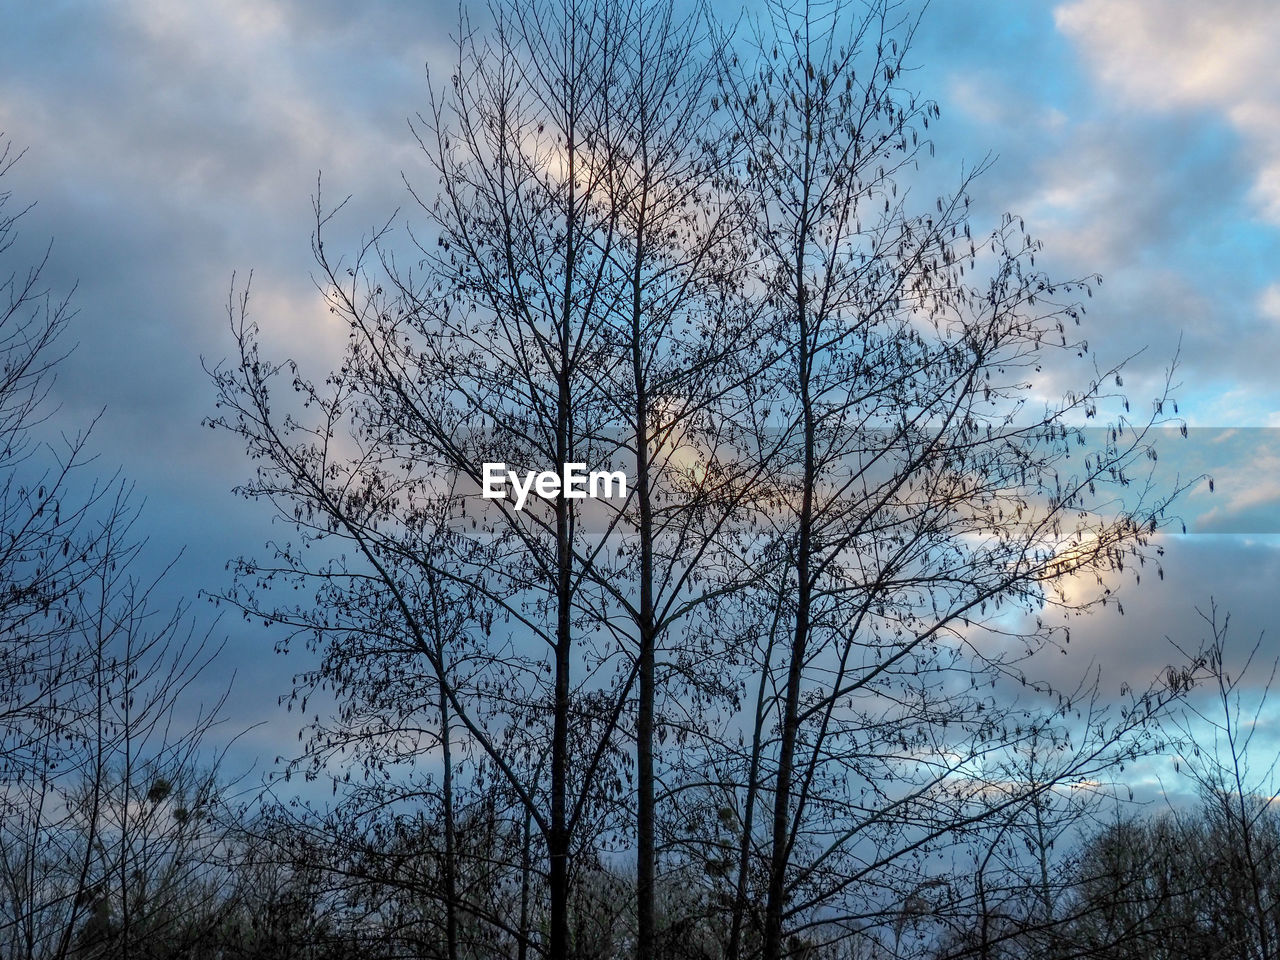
[(171, 144)]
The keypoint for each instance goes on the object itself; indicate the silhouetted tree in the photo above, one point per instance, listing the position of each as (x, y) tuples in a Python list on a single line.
[(803, 639), (1215, 737), (917, 512), (103, 821)]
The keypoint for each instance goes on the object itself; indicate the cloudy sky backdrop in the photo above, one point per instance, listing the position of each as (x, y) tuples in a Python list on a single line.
[(172, 143)]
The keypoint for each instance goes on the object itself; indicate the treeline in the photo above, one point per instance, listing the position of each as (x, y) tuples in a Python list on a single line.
[(788, 698), (279, 885)]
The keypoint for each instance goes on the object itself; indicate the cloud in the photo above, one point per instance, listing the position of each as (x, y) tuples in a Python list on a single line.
[(1139, 146), (174, 143), (1158, 55), (170, 145), (1160, 598), (1161, 200), (1269, 303)]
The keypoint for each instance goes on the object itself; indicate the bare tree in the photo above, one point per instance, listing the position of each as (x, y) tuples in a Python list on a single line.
[(94, 685), (46, 506), (680, 332), (1168, 886), (1214, 736), (922, 514), (842, 522), (573, 309)]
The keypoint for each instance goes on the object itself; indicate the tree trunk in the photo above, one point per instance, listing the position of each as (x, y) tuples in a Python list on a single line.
[(450, 836), (780, 853)]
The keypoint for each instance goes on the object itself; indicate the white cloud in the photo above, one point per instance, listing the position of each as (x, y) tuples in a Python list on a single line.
[(1186, 54), (1269, 302)]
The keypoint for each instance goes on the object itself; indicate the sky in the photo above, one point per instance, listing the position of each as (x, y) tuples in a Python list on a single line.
[(172, 145)]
